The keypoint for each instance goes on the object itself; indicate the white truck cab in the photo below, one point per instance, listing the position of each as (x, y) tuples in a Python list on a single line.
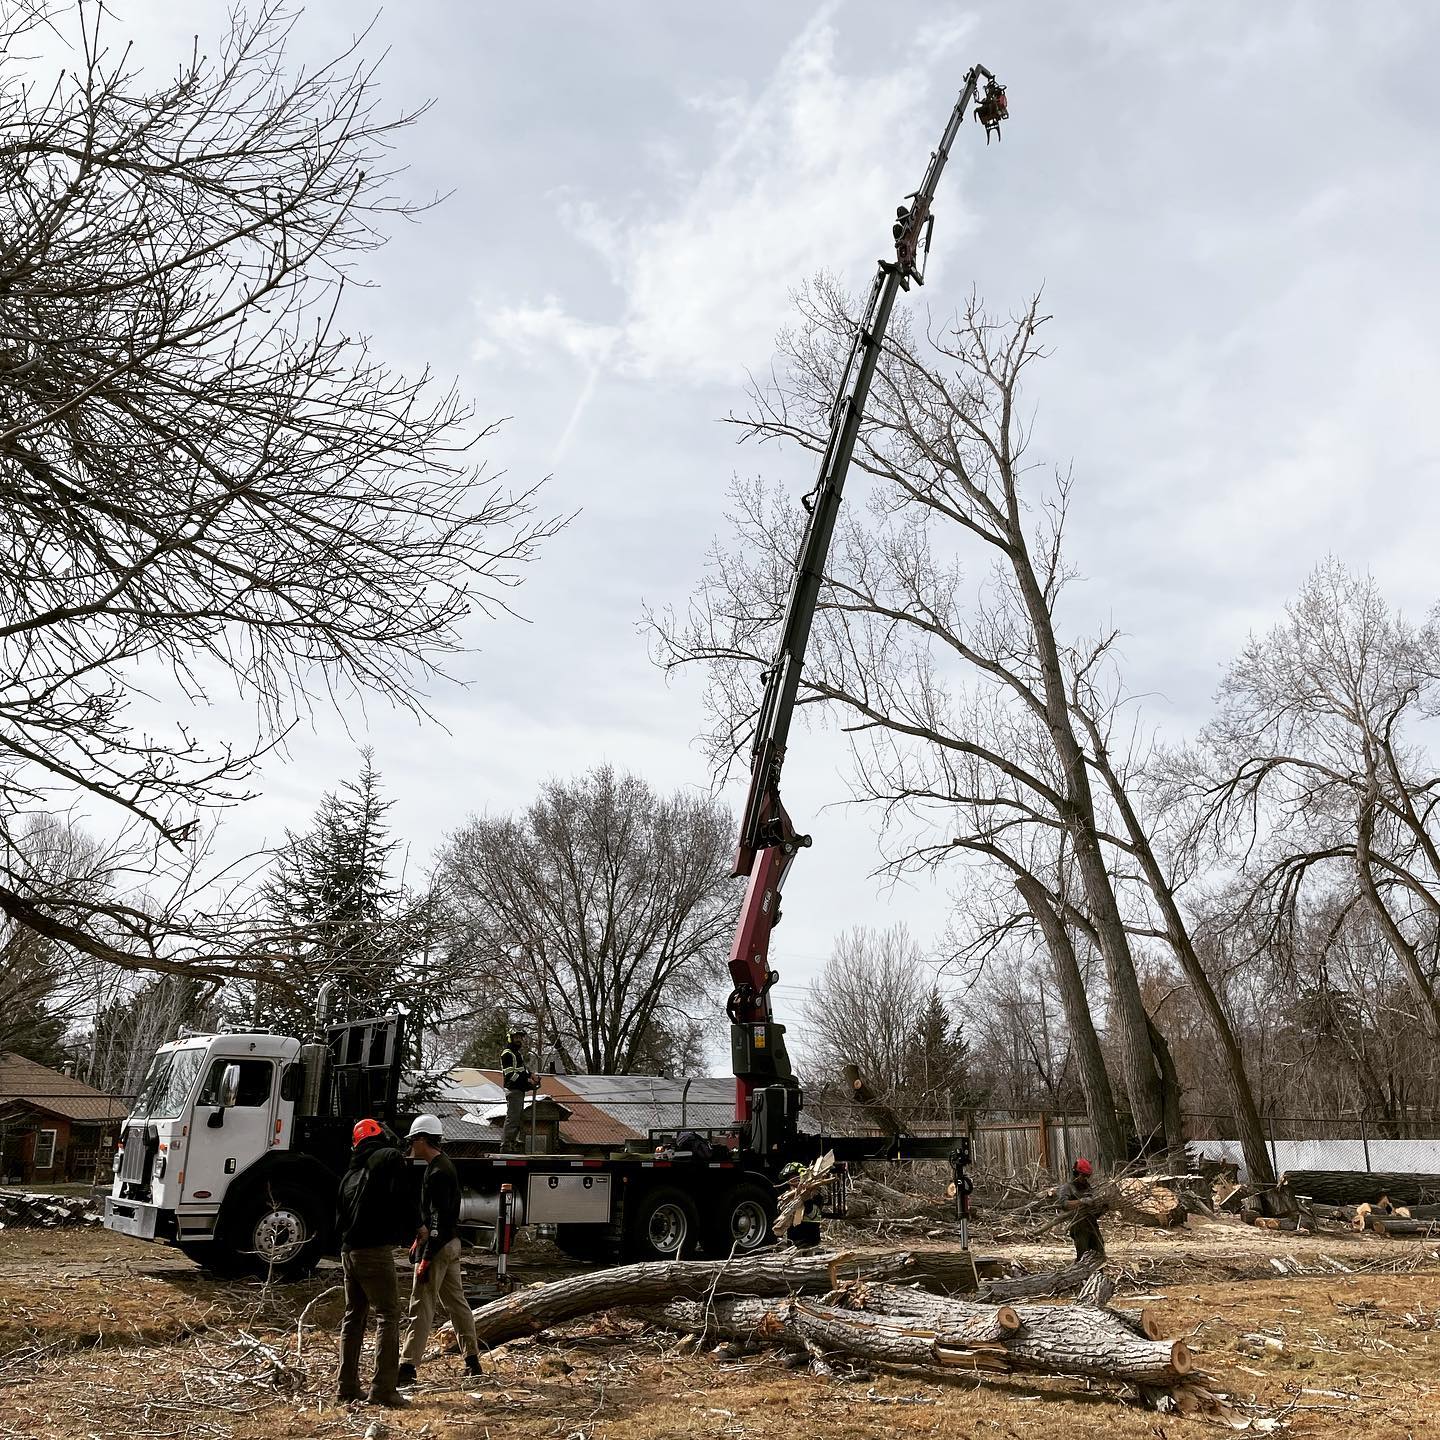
[(210, 1109)]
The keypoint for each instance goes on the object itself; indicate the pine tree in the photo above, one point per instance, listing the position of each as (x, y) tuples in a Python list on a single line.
[(346, 920), (939, 1058)]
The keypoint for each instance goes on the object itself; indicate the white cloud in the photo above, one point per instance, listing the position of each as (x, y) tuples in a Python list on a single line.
[(803, 176), (531, 333)]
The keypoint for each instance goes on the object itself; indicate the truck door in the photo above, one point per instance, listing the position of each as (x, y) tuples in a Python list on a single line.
[(219, 1150)]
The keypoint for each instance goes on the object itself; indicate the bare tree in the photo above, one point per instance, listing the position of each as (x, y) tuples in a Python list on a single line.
[(1310, 773), (895, 640), (866, 1008), (207, 477), (41, 980), (602, 916)]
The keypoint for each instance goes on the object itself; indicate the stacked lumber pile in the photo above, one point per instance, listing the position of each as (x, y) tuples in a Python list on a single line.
[(24, 1210), (831, 1307)]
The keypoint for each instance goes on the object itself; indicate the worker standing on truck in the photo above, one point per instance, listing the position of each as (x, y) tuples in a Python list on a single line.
[(1078, 1200), (372, 1213), (518, 1082), (436, 1253)]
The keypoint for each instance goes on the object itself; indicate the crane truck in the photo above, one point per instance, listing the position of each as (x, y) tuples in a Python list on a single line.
[(237, 1140)]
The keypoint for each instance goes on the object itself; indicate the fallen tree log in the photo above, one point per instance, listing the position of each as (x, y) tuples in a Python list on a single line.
[(943, 1312), (1068, 1281), (779, 1273), (1353, 1187), (1396, 1225), (1051, 1339)]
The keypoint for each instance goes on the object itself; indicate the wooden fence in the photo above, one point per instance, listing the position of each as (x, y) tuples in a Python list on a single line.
[(1022, 1145)]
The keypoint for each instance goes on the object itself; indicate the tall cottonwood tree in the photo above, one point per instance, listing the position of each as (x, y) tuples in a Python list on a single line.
[(208, 477), (897, 653), (601, 916)]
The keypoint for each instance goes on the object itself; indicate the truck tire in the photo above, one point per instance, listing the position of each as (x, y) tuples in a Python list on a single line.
[(275, 1232), (585, 1242), (741, 1220), (661, 1224)]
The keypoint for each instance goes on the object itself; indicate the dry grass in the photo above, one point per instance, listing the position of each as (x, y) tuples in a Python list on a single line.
[(108, 1337)]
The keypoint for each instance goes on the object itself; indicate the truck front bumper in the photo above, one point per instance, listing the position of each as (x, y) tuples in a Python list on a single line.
[(132, 1217)]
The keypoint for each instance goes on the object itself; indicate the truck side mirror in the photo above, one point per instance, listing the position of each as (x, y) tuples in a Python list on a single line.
[(230, 1086)]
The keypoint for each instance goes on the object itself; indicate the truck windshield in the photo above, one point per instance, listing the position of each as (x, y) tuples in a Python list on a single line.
[(168, 1085)]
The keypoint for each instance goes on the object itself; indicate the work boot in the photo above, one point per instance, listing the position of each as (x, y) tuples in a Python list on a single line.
[(393, 1401), (472, 1365), (346, 1394), (406, 1375)]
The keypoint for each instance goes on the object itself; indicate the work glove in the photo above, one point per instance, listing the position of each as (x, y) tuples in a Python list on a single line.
[(414, 1251), (422, 1272)]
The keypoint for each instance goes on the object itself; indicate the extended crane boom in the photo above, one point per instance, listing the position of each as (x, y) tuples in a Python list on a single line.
[(767, 1096)]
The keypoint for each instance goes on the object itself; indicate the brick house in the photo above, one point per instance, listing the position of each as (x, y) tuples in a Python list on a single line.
[(54, 1128)]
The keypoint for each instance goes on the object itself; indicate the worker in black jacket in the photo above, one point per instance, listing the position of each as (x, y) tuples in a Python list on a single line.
[(519, 1082), (372, 1213), (436, 1253)]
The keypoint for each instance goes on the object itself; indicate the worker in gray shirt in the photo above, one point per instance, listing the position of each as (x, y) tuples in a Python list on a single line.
[(1078, 1199)]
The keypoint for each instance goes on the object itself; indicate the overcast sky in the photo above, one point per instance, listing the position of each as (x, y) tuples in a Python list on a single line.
[(1231, 208)]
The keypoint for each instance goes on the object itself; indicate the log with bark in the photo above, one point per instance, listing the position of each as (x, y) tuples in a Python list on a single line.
[(1049, 1339), (1354, 1187), (1396, 1225), (535, 1308), (1067, 1281)]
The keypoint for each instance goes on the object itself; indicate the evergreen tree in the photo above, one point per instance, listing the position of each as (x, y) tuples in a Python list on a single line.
[(344, 918), (939, 1057)]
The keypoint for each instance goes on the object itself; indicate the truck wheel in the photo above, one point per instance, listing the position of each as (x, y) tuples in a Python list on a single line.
[(742, 1220), (663, 1225), (276, 1234), (584, 1242)]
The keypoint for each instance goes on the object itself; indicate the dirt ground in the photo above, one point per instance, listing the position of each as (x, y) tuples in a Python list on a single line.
[(103, 1336)]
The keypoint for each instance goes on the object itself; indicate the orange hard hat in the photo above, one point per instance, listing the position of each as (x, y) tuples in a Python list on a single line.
[(366, 1130), (1082, 1166)]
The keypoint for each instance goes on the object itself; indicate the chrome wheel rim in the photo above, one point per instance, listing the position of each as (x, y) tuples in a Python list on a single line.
[(748, 1225), (668, 1228), (280, 1235)]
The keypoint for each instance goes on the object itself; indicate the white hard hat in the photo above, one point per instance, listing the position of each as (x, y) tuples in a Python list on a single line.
[(426, 1125)]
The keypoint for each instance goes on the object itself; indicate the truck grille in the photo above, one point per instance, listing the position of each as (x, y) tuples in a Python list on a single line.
[(141, 1144)]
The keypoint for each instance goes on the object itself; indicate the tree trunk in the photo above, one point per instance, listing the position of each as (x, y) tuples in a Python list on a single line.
[(1127, 1009), (1094, 1078), (1355, 1187), (1397, 1225), (778, 1273), (1058, 1282), (1050, 1340), (1401, 947), (1247, 1113), (1170, 1091)]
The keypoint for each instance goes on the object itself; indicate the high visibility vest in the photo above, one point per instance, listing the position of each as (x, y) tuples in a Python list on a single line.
[(512, 1064)]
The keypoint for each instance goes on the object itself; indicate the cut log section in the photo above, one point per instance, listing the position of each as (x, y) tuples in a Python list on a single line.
[(1395, 1225)]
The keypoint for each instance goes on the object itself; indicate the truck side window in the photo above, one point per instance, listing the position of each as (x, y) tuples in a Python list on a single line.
[(254, 1083)]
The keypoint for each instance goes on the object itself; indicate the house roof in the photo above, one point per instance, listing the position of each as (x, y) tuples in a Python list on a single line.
[(24, 1082)]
